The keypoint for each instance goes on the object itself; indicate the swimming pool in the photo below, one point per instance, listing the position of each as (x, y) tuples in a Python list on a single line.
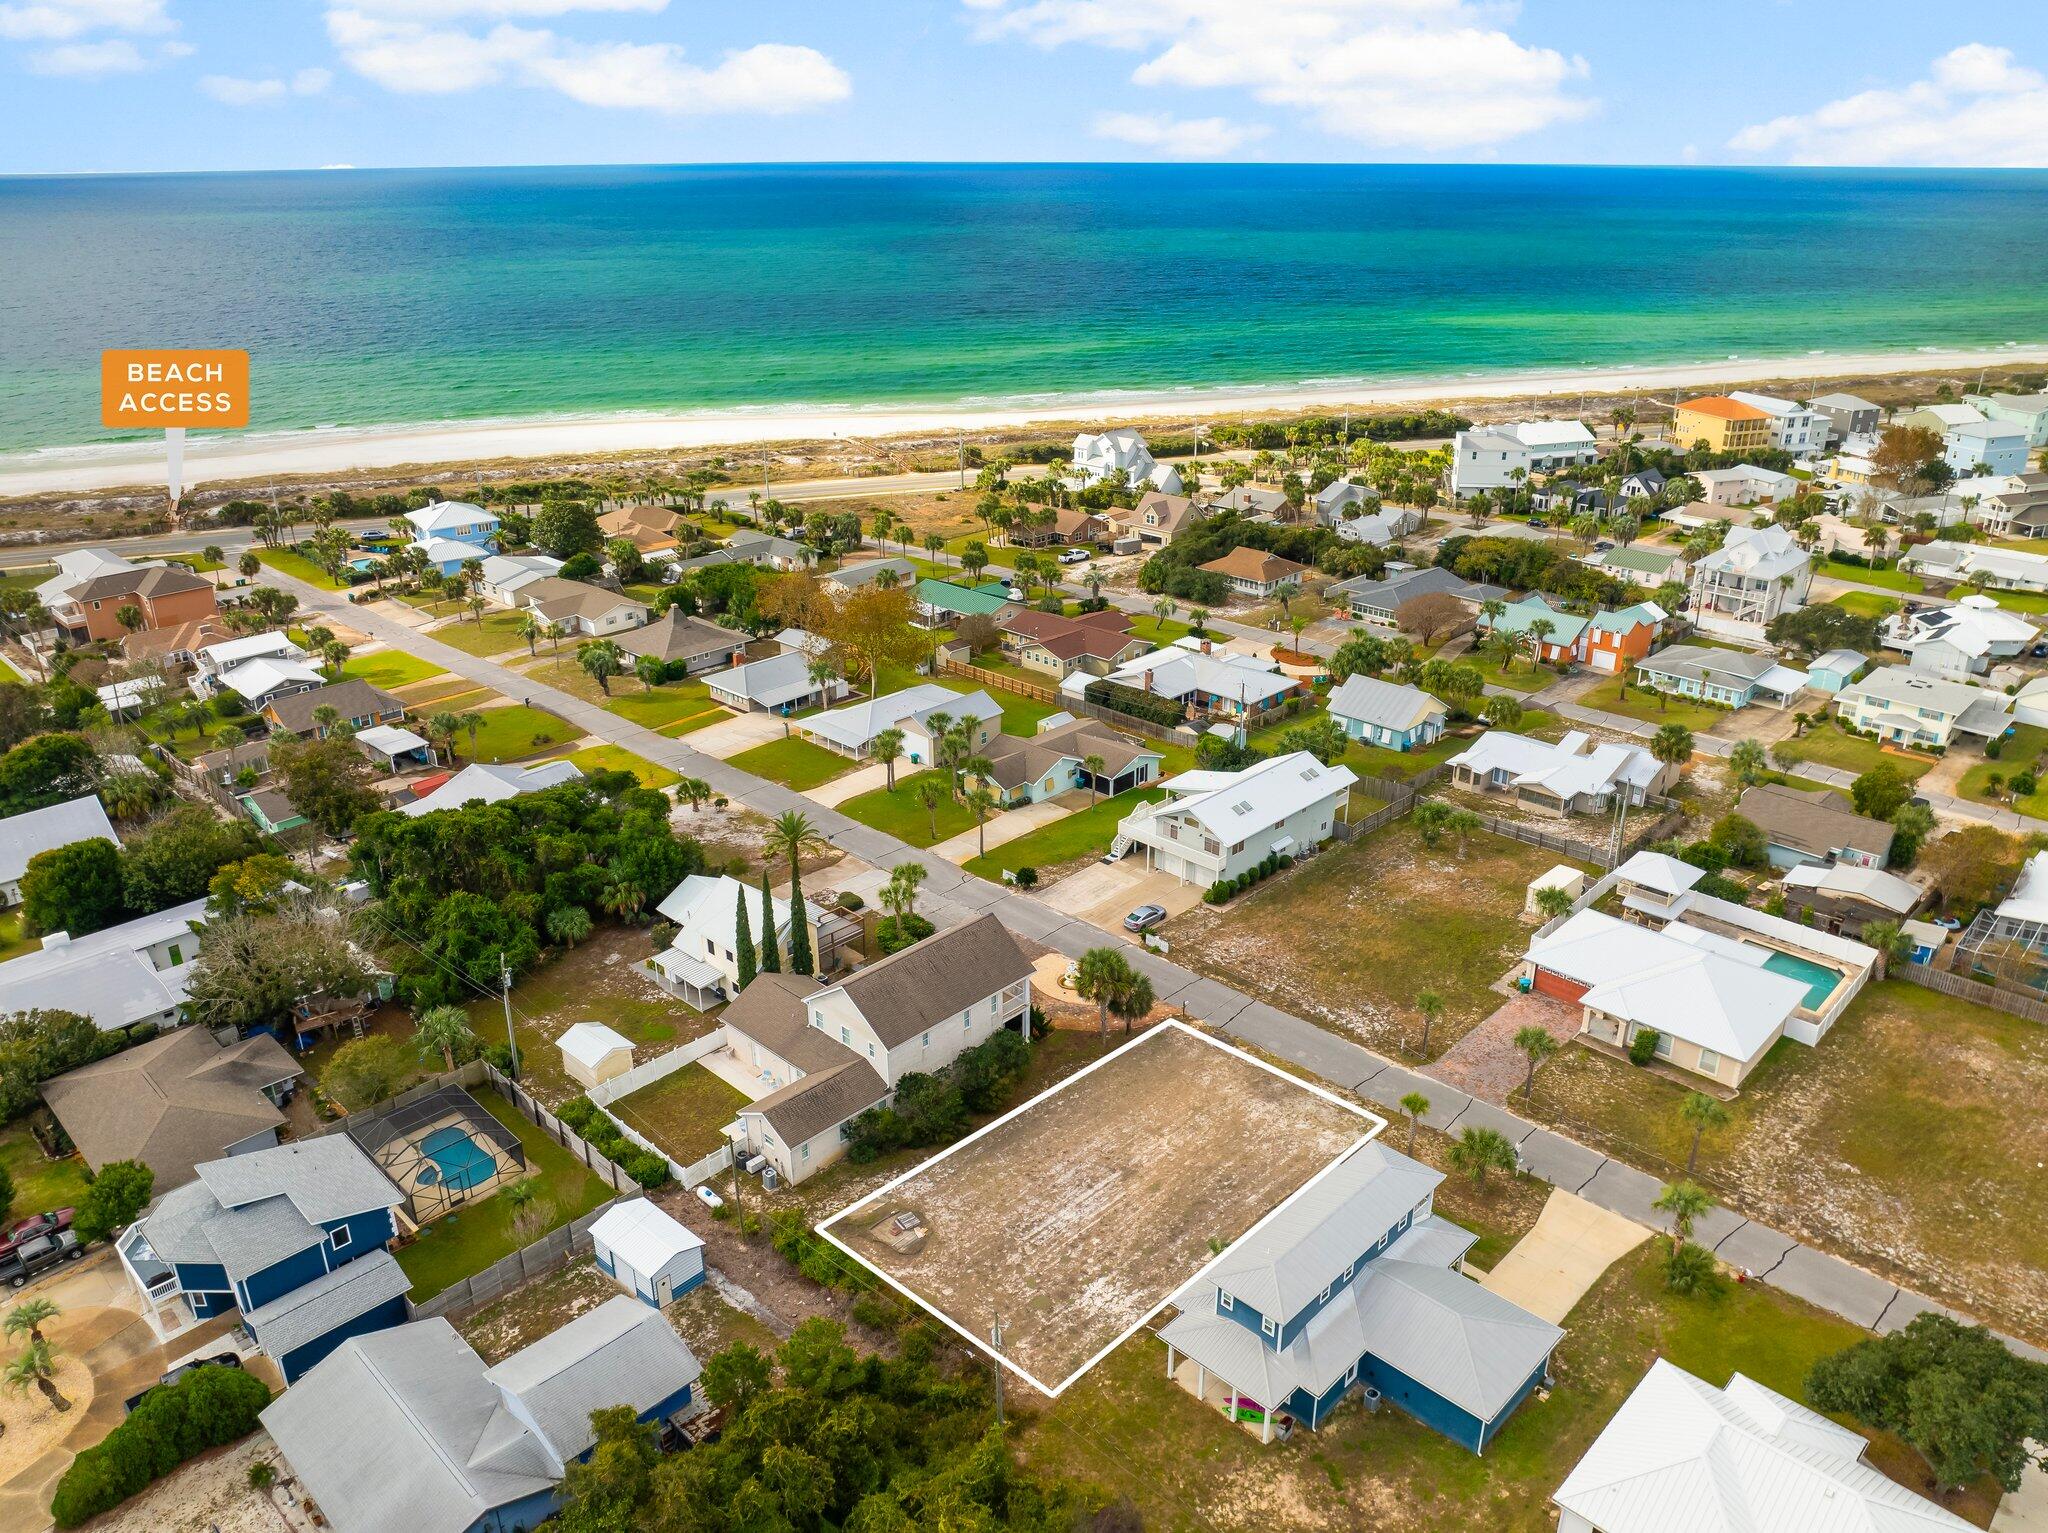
[(459, 1162), (1819, 978)]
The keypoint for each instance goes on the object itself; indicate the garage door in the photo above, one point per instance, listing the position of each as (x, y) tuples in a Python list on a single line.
[(1548, 983), (1604, 660)]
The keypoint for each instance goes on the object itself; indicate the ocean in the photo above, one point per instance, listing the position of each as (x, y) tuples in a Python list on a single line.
[(397, 297)]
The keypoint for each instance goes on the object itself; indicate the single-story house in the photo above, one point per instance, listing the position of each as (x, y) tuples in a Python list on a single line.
[(779, 684), (176, 647), (436, 1442), (271, 811), (1379, 528), (1204, 680), (1835, 670), (1961, 641), (176, 1102), (853, 577), (1378, 601), (1387, 714), (1574, 775), (943, 602), (355, 702), (1093, 642), (1644, 565), (1814, 825), (1904, 706), (1055, 761), (1843, 898), (582, 609), (224, 766), (2005, 569), (650, 529), (482, 783), (448, 556), (120, 976), (1681, 1454), (29, 834), (1734, 678), (1069, 525), (593, 1053), (1357, 1285), (648, 1252), (1254, 502), (1212, 826), (503, 576), (851, 729), (1255, 573), (675, 638)]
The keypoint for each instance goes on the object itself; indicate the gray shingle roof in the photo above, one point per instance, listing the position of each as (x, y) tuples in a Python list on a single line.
[(621, 1353), (259, 1235), (771, 1012), (326, 1178), (908, 991), (328, 1302), (352, 699), (676, 636), (821, 1098)]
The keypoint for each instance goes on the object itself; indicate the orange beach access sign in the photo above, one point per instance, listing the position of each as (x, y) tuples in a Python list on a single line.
[(174, 389)]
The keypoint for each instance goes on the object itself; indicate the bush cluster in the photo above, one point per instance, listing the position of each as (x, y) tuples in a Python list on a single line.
[(1643, 1047), (1226, 888), (174, 1422), (1139, 705), (894, 933), (932, 1109), (603, 1135), (799, 1245)]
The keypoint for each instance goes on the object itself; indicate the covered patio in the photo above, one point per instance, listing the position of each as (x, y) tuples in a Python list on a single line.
[(689, 979)]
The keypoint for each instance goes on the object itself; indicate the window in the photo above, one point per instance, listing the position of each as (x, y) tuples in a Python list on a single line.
[(1710, 1062), (927, 1040), (177, 955), (1663, 1045), (1224, 1300), (1325, 1295), (1380, 1244), (846, 1035), (1269, 1325), (803, 1152), (341, 1239), (1348, 1271)]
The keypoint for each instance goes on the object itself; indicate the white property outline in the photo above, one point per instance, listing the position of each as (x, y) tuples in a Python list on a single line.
[(980, 1343)]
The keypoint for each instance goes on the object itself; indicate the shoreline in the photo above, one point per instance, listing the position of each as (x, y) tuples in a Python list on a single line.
[(231, 459)]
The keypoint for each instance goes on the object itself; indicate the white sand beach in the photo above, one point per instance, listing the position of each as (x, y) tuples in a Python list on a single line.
[(254, 457)]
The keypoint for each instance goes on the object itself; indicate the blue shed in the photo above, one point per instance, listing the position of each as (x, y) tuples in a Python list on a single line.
[(1836, 669)]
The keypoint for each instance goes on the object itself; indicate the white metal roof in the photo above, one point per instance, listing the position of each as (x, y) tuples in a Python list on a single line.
[(771, 682), (1681, 1456), (1872, 884), (589, 1042), (107, 975), (480, 782), (23, 836), (449, 550), (443, 515), (645, 1237), (1760, 553), (234, 651), (1234, 806), (257, 679), (1390, 704), (389, 739), (1574, 765), (705, 908), (855, 724), (2029, 898), (1654, 870)]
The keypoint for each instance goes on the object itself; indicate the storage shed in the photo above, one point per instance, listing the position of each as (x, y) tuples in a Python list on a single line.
[(1563, 876), (593, 1054), (648, 1253)]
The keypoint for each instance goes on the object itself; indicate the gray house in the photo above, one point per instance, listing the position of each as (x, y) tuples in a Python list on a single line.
[(1376, 601)]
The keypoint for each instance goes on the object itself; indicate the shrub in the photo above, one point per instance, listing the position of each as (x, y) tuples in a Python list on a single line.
[(848, 900), (878, 1311), (1025, 878), (604, 1136), (1643, 1047), (174, 1422), (501, 1057), (1139, 705), (894, 933)]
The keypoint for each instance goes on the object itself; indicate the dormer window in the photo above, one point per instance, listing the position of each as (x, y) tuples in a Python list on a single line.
[(1326, 1293), (1270, 1326), (1224, 1301)]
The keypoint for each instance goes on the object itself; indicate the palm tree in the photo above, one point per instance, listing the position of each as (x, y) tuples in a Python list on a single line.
[(1094, 766), (601, 660), (1431, 1005), (649, 670), (693, 791), (795, 837), (442, 1030), (930, 793), (1476, 1152), (1539, 1045), (980, 801), (1684, 1202), (442, 728), (36, 1368), (29, 1317), (248, 566), (1106, 977), (1748, 760), (554, 633), (530, 628), (325, 717), (1552, 903), (1414, 1104), (899, 894), (887, 748), (1672, 745), (1539, 630), (1701, 1112)]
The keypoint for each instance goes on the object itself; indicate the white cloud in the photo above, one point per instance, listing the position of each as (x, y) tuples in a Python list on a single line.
[(1199, 138), (415, 58), (60, 20), (498, 10), (234, 91), (89, 61), (1426, 75), (1977, 107)]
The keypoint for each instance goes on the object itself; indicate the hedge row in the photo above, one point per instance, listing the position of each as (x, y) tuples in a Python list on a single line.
[(1225, 888), (601, 1134), (174, 1422), (1139, 705)]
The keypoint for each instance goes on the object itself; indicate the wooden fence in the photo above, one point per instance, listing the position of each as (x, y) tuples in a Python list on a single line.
[(1001, 680), (1998, 997)]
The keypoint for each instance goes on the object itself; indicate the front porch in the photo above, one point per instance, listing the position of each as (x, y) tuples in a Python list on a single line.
[(1223, 1398)]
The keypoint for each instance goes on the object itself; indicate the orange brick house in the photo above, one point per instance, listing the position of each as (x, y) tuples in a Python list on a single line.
[(1615, 641), (92, 587)]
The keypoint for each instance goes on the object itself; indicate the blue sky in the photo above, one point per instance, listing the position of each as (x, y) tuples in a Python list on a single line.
[(110, 85)]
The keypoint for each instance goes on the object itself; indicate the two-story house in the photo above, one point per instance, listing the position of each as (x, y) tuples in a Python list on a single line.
[(1355, 1285), (93, 587), (294, 1237), (823, 1054), (701, 965), (452, 532), (1614, 639), (1758, 573), (212, 664), (1905, 706), (1213, 826), (1158, 518)]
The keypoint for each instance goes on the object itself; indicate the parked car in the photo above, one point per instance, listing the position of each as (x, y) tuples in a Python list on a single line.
[(37, 1255), (707, 1197), (1074, 556), (218, 1360), (1144, 918), (36, 1224)]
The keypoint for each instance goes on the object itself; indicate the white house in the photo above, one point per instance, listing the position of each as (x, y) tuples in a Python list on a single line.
[(1213, 826), (119, 976), (36, 831), (504, 576), (1960, 641), (701, 963), (2005, 569), (212, 663), (851, 730), (593, 1053), (1573, 775), (826, 1053), (1905, 706), (647, 1252), (1494, 457), (779, 684), (1758, 573), (1681, 1456), (482, 783), (1204, 680), (1795, 428), (1744, 485), (1097, 455)]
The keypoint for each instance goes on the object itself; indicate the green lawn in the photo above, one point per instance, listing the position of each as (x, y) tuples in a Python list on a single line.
[(389, 668), (495, 635), (2034, 603), (25, 577), (1651, 707), (467, 1241), (39, 1184), (1518, 676), (513, 733), (1376, 761), (1085, 833), (1828, 745), (683, 1113), (676, 703), (793, 762), (1020, 713), (288, 561), (1153, 631), (616, 758), (12, 941), (1864, 604), (2021, 751), (897, 811), (1856, 574)]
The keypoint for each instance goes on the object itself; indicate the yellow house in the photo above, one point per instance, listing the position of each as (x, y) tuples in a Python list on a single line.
[(1724, 424)]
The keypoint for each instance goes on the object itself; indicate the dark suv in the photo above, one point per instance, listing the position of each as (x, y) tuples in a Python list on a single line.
[(38, 1254)]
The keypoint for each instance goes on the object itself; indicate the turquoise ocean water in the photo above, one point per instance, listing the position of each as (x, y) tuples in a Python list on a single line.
[(409, 296)]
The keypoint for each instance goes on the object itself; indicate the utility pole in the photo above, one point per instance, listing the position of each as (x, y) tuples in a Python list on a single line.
[(960, 444), (995, 1340), (739, 1217), (505, 990)]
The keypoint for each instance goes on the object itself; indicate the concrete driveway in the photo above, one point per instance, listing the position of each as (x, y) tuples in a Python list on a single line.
[(1007, 826), (2026, 1509), (853, 784), (1572, 1244), (1103, 893), (743, 731)]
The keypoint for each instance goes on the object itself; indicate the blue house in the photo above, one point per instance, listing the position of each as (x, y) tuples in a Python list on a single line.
[(408, 1429), (1355, 1285), (1387, 714), (458, 521), (295, 1237), (647, 1252)]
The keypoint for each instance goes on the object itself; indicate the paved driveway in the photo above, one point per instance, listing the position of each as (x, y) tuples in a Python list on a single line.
[(743, 731), (1007, 826), (852, 785), (1103, 893), (1486, 1062), (1573, 1242)]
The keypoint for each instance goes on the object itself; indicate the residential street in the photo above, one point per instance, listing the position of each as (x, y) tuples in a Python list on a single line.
[(1772, 1257)]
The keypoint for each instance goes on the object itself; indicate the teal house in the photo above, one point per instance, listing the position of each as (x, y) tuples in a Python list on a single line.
[(940, 602), (1387, 714)]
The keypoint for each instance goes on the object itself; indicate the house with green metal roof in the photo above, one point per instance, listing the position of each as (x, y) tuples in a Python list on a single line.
[(940, 602), (1645, 566), (1560, 638)]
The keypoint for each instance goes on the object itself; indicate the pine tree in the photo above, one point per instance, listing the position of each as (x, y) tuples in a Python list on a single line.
[(743, 944), (799, 927), (771, 950)]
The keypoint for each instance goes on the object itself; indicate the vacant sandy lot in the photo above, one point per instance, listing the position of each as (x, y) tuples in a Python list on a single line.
[(1075, 1219)]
